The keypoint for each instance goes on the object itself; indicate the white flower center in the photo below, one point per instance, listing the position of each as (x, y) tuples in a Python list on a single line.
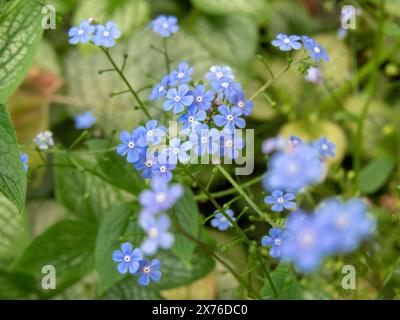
[(181, 75), (175, 150), (161, 197), (163, 169), (199, 99), (204, 140), (160, 89), (153, 233), (286, 40), (127, 259), (241, 104), (177, 98), (219, 74), (80, 32), (317, 50), (150, 133), (293, 168), (225, 84), (229, 143), (191, 119), (148, 163), (106, 33), (324, 146), (278, 242), (223, 219), (341, 221), (165, 25), (307, 239), (146, 269), (131, 145), (281, 200), (229, 117)]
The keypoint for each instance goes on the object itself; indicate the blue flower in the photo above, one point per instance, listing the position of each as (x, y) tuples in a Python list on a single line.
[(226, 86), (160, 89), (128, 258), (221, 222), (105, 35), (275, 239), (162, 171), (280, 201), (231, 144), (325, 147), (84, 120), (314, 75), (149, 270), (44, 140), (347, 223), (181, 75), (317, 52), (164, 25), (306, 244), (176, 150), (133, 145), (229, 118), (24, 160), (205, 140), (154, 133), (238, 100), (286, 43), (161, 196), (293, 170), (157, 233), (216, 73), (295, 140), (177, 99), (202, 98), (193, 117), (82, 33), (145, 164)]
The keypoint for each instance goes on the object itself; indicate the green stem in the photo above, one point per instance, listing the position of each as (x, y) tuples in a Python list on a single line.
[(125, 80), (166, 57), (245, 196)]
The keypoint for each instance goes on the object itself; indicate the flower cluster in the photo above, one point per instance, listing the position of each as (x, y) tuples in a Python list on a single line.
[(296, 164), (295, 42), (90, 30), (307, 239), (131, 261), (44, 140)]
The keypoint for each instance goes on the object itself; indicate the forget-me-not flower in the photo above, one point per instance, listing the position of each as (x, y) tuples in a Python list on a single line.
[(177, 99), (85, 120), (105, 35), (226, 86), (231, 144), (221, 222), (145, 164), (160, 89), (153, 132), (325, 147), (149, 270), (44, 140), (205, 140), (202, 98), (274, 239), (132, 145), (128, 258), (162, 171), (157, 233), (161, 196), (280, 201), (287, 43), (164, 26), (175, 151), (239, 100), (316, 51), (81, 34), (229, 118), (24, 160), (181, 75), (193, 117), (216, 73)]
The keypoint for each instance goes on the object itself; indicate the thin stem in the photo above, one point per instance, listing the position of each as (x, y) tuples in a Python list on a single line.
[(245, 196), (121, 74), (79, 139), (166, 57)]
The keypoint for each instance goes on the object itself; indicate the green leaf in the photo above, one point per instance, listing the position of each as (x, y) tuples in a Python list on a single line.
[(118, 171), (81, 190), (127, 290), (255, 8), (21, 32), (222, 36), (186, 215), (13, 230), (285, 283), (12, 175), (374, 175), (67, 245), (15, 285), (114, 225)]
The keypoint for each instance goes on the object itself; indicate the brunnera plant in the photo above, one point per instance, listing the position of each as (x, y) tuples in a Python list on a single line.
[(146, 223)]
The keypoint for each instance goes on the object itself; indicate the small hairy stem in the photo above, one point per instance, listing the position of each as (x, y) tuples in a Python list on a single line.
[(124, 79), (245, 196)]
